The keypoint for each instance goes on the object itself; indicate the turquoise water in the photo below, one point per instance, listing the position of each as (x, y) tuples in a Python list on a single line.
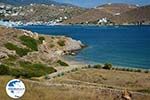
[(119, 45)]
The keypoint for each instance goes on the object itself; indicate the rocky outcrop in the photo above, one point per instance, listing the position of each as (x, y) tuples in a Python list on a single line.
[(49, 50), (73, 45)]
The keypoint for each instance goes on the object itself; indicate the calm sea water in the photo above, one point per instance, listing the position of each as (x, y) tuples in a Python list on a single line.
[(122, 46)]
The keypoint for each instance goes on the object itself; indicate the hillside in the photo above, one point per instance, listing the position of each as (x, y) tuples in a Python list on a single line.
[(44, 13), (89, 16), (21, 51), (108, 14), (116, 8), (104, 11), (38, 61), (135, 16), (27, 2)]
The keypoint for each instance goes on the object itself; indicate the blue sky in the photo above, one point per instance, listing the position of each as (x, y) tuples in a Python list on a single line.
[(93, 3)]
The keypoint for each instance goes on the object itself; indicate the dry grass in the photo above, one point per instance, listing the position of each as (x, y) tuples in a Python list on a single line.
[(122, 79), (35, 91), (43, 91)]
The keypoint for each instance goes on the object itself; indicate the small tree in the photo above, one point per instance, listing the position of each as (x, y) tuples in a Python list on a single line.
[(62, 63), (41, 38), (61, 43), (97, 66), (107, 66)]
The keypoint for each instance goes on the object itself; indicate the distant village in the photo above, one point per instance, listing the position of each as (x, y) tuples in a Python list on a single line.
[(8, 10), (15, 11), (56, 15)]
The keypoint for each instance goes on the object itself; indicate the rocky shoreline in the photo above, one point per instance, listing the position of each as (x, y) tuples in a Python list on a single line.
[(19, 23)]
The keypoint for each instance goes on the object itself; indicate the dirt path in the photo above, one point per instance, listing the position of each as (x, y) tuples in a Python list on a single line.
[(69, 69)]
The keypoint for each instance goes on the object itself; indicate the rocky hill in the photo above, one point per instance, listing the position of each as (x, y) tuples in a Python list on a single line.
[(108, 14), (28, 2), (45, 13), (114, 14), (135, 16), (88, 16), (104, 11), (22, 51)]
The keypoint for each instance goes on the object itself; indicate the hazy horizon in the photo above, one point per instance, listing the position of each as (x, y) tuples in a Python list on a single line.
[(94, 3)]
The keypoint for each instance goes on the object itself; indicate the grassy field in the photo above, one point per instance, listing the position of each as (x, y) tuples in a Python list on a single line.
[(135, 81), (85, 84), (35, 91)]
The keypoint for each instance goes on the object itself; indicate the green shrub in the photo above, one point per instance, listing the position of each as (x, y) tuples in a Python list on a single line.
[(131, 70), (41, 38), (115, 68), (146, 71), (11, 46), (138, 70), (107, 66), (4, 70), (144, 90), (29, 42), (89, 66), (26, 70), (62, 63), (53, 37), (59, 75), (20, 51), (61, 43), (12, 57), (62, 74), (16, 72), (25, 64), (47, 77), (35, 70), (10, 60), (97, 66), (25, 73), (52, 45)]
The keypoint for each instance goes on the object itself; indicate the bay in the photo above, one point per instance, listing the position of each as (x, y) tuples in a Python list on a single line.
[(127, 46)]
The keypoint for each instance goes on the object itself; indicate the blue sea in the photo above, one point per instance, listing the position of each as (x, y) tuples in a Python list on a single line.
[(120, 45)]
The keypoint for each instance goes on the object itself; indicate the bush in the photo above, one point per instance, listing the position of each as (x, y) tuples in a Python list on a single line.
[(35, 70), (61, 43), (20, 51), (144, 90), (4, 70), (41, 38), (52, 45), (11, 46), (62, 74), (12, 57), (146, 71), (10, 60), (138, 70), (47, 77), (62, 63), (16, 72), (89, 66), (107, 66), (29, 42), (23, 72), (97, 66), (27, 70)]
